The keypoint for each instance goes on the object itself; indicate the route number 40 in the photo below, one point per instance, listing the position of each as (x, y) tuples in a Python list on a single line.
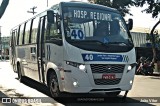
[(77, 34), (89, 57)]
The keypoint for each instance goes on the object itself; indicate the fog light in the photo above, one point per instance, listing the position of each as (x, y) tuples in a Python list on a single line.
[(129, 68), (131, 82), (75, 84)]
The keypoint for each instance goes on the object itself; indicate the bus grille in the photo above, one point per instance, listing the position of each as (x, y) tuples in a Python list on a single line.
[(107, 82), (107, 68)]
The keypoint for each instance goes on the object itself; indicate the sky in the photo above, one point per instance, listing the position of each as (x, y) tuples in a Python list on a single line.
[(142, 19), (16, 13)]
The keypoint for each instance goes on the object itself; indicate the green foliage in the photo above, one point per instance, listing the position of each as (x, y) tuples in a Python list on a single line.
[(121, 5), (124, 5), (148, 37), (157, 39), (153, 6)]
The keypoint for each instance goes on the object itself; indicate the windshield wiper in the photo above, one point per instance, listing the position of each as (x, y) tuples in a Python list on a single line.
[(90, 41), (119, 43)]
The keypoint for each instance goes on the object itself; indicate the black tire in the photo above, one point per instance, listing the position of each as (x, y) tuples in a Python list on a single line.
[(53, 85), (113, 94), (20, 78), (14, 66)]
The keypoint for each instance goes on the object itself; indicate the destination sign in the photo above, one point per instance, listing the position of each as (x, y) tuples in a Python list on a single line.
[(90, 14)]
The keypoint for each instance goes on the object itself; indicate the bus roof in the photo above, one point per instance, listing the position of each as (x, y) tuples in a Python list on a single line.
[(74, 4), (88, 5)]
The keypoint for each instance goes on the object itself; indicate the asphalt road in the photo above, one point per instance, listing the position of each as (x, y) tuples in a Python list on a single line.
[(145, 92)]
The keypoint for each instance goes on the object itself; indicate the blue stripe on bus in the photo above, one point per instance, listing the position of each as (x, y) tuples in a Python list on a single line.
[(105, 57)]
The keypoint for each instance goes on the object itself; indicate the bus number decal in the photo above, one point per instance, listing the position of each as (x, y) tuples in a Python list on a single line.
[(89, 57), (104, 57), (77, 34)]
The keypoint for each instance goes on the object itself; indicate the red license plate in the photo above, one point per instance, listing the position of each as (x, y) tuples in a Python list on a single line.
[(108, 76)]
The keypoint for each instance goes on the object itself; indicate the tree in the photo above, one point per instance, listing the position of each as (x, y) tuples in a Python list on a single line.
[(153, 6), (154, 9), (3, 7), (121, 5), (124, 5)]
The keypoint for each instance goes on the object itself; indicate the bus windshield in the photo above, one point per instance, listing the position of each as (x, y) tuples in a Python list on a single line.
[(95, 25)]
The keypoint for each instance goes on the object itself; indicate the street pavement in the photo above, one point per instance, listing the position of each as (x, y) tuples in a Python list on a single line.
[(145, 88), (11, 87)]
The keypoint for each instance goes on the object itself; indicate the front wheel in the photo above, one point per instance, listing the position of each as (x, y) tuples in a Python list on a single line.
[(53, 85)]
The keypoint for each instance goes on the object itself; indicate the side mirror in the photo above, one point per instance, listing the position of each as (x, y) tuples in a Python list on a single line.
[(50, 16), (130, 24)]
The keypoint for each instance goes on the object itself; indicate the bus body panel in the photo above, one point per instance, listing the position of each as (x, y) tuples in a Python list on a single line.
[(54, 60), (28, 61), (86, 79)]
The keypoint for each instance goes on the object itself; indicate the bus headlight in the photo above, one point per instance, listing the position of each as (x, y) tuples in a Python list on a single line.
[(130, 67), (78, 65), (82, 67)]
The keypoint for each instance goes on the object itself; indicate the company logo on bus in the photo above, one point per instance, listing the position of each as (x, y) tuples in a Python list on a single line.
[(109, 67)]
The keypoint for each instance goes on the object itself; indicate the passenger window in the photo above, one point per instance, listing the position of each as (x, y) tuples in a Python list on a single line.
[(18, 35), (34, 30), (14, 39), (21, 34), (27, 32), (53, 31)]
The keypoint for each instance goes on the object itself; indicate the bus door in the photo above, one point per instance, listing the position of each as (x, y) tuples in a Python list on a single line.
[(40, 50)]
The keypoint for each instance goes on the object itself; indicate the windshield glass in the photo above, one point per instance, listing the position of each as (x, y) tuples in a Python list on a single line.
[(95, 25)]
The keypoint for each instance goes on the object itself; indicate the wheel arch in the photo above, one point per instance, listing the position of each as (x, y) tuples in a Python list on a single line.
[(53, 68), (20, 64)]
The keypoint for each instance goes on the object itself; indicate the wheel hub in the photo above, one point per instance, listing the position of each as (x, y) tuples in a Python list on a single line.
[(53, 86)]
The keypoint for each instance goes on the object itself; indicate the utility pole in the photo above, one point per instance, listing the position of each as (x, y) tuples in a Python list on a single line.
[(47, 3), (32, 10)]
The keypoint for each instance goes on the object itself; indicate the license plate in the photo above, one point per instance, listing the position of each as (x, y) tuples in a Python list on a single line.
[(109, 76)]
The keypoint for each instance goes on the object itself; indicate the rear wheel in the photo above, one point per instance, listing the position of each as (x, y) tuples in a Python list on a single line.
[(19, 73), (14, 66), (53, 85)]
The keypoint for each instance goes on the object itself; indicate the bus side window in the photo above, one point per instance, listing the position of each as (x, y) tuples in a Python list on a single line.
[(18, 35), (53, 31), (34, 30), (46, 30), (21, 34), (14, 37), (27, 32)]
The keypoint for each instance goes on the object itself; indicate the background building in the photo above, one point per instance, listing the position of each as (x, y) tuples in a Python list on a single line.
[(142, 45), (4, 47)]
